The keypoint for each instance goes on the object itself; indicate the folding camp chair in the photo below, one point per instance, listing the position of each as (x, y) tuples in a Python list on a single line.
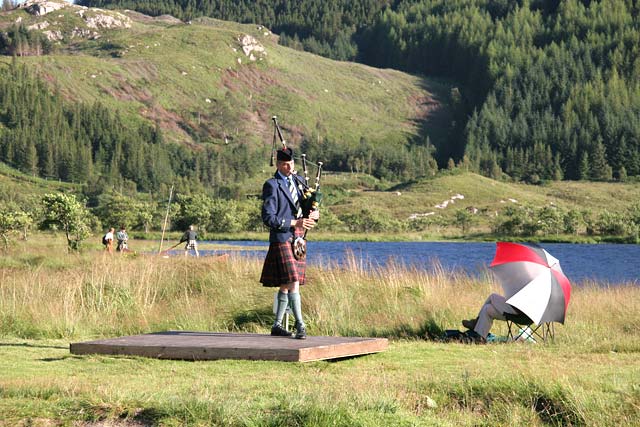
[(522, 327)]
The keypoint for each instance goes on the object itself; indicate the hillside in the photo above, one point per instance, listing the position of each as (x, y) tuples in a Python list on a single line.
[(23, 190), (546, 89), (489, 196), (431, 207), (190, 104), (209, 81)]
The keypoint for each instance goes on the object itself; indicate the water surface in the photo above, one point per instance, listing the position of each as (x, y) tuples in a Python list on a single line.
[(606, 263)]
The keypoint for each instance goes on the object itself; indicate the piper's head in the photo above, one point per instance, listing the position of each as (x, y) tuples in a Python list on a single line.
[(285, 161)]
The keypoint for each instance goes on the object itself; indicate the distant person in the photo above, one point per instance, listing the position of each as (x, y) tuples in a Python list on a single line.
[(282, 214), (107, 240), (191, 237), (123, 239), (493, 308)]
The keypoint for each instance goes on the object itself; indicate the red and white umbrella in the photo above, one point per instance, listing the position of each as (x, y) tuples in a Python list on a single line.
[(532, 280)]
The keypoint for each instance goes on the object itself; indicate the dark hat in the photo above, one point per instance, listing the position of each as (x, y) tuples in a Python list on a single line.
[(285, 154)]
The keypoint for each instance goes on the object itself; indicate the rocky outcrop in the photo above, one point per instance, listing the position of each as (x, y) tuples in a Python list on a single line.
[(251, 47), (42, 7), (84, 33), (53, 36), (95, 19), (108, 21), (39, 26)]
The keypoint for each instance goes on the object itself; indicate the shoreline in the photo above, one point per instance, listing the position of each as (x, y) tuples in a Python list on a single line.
[(398, 237)]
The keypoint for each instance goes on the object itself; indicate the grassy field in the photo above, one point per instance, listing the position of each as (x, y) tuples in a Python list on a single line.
[(589, 376)]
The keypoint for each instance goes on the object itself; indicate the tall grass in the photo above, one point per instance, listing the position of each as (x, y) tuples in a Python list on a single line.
[(64, 296)]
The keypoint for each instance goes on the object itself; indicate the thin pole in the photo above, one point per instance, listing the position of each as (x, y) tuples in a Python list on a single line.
[(166, 218), (167, 250)]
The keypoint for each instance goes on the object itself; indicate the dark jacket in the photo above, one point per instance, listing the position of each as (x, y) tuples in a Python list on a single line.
[(189, 235), (278, 208)]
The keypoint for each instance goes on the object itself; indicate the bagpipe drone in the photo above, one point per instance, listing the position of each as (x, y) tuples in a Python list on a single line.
[(311, 197)]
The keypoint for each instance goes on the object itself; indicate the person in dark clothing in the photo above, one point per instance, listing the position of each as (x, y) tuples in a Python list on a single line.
[(191, 237), (281, 212)]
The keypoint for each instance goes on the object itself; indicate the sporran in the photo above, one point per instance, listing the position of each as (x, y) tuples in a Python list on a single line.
[(299, 246)]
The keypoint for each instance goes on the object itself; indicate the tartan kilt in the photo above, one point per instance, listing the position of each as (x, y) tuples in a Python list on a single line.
[(191, 245), (280, 267)]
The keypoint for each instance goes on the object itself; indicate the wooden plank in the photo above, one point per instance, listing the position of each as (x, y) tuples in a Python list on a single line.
[(343, 349), (213, 346)]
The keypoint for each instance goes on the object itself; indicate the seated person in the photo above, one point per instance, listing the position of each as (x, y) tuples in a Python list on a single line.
[(494, 308)]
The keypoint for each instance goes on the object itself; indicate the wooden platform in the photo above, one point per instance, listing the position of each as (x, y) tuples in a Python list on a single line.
[(212, 346)]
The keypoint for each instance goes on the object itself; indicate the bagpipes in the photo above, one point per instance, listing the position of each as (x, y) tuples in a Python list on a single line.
[(311, 197)]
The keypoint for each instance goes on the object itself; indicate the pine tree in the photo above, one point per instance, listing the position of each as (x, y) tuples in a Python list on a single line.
[(622, 174), (600, 169), (584, 167), (31, 158), (557, 169), (451, 164)]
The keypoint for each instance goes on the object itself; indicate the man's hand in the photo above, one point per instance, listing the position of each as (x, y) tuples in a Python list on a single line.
[(306, 223), (314, 215)]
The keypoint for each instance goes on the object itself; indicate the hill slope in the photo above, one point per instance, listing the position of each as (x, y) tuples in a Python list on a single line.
[(23, 190), (206, 80), (490, 195), (437, 200)]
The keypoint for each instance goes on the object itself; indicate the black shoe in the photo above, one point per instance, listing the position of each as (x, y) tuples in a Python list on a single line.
[(470, 324), (475, 338), (279, 331), (301, 332)]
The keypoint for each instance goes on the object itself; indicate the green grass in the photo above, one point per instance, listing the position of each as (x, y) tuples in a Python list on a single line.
[(413, 383), (588, 377)]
